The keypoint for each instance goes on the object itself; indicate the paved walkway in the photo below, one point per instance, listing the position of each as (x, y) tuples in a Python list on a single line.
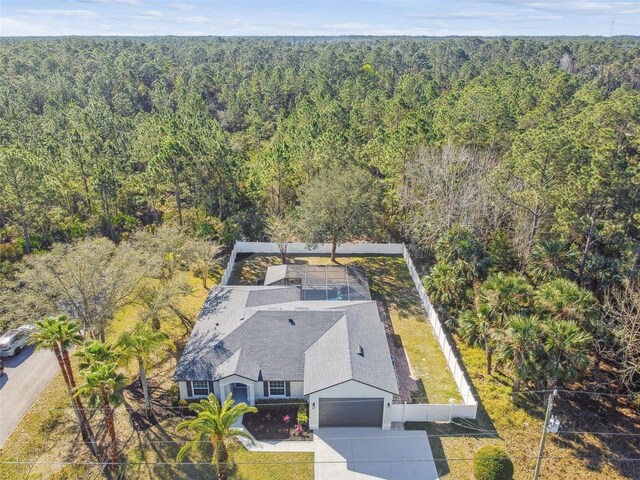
[(404, 374), (277, 445), (371, 453)]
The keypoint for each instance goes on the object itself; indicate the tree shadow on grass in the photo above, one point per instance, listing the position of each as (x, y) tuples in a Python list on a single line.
[(614, 427), (157, 449)]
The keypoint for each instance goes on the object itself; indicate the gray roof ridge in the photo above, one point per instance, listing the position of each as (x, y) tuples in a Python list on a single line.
[(341, 347), (347, 339)]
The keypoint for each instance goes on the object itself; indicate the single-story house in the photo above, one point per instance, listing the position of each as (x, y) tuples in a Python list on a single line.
[(271, 342)]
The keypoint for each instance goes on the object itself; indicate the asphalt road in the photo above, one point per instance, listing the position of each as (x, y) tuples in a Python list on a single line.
[(25, 377)]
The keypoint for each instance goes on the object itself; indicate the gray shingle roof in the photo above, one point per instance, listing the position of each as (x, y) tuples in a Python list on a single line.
[(246, 331), (334, 358)]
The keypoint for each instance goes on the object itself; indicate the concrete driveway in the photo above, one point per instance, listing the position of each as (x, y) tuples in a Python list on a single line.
[(25, 377), (368, 453)]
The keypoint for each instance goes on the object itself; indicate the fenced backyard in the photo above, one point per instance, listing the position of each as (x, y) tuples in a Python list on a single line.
[(443, 391)]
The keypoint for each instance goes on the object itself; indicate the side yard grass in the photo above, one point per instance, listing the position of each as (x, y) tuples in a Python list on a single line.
[(518, 430), (390, 282), (46, 443)]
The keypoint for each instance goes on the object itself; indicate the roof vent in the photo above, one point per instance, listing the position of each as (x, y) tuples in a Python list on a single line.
[(291, 321), (360, 351)]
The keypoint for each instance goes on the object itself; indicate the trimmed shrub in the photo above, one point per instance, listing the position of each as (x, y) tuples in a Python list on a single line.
[(302, 417), (492, 463), (279, 404)]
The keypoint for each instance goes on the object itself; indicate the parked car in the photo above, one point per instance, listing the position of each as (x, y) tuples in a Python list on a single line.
[(14, 341)]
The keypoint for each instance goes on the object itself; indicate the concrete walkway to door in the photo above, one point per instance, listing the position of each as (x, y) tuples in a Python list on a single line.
[(372, 453)]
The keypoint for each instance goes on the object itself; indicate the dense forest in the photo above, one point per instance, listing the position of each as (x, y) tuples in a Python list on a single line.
[(511, 167)]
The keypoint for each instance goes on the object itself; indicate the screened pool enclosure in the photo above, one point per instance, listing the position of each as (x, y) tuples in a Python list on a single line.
[(322, 282)]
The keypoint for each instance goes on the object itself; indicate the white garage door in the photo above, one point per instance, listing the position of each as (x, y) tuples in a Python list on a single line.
[(351, 412)]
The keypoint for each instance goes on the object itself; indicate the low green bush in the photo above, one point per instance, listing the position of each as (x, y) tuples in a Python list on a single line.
[(302, 418), (279, 404), (492, 463)]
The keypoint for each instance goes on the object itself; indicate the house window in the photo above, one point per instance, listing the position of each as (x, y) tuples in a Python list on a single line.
[(276, 388), (200, 388)]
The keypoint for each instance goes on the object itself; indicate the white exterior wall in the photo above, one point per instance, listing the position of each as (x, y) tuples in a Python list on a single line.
[(183, 390), (350, 389), (258, 388), (297, 390), (255, 390)]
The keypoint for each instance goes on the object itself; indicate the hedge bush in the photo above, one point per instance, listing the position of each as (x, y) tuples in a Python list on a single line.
[(492, 463), (279, 404)]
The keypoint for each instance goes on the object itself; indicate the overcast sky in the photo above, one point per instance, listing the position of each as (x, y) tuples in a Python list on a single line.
[(319, 17)]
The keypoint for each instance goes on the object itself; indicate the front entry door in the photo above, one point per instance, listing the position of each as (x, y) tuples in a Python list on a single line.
[(239, 393)]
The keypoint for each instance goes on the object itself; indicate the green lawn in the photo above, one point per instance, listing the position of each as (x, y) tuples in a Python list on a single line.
[(389, 281)]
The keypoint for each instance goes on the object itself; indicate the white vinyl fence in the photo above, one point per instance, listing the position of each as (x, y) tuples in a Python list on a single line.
[(302, 248), (430, 412), (399, 412)]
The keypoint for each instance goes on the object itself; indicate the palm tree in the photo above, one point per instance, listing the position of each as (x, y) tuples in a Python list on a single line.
[(477, 329), (94, 352), (59, 334), (563, 299), (214, 423), (447, 285), (567, 347), (504, 295), (102, 386), (143, 344), (551, 259), (518, 348), (458, 245)]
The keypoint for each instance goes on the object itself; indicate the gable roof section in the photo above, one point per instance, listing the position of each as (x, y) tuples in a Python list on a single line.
[(334, 358), (326, 362)]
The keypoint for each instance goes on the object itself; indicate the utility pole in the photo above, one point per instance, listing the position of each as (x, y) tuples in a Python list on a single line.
[(546, 427)]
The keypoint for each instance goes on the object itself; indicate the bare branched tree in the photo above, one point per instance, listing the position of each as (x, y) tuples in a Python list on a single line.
[(621, 322), (89, 280), (203, 255), (452, 186), (281, 230)]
